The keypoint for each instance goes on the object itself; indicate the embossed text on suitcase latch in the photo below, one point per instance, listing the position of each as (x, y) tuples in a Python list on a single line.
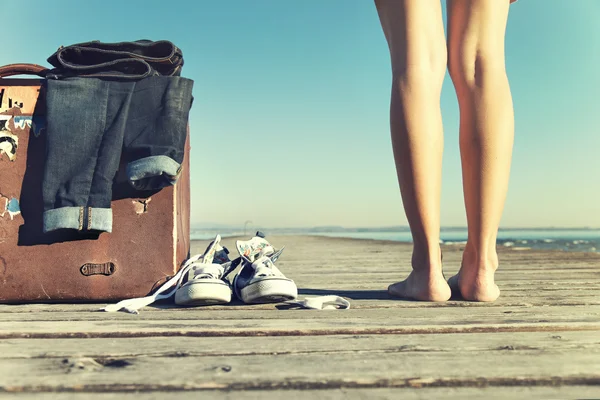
[(89, 269)]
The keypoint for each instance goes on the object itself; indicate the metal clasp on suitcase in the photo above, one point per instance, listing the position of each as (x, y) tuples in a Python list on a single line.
[(90, 269)]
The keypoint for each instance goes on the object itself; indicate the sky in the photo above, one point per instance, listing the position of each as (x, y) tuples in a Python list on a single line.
[(290, 122)]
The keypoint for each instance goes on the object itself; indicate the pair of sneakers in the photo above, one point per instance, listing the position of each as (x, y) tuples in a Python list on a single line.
[(257, 281)]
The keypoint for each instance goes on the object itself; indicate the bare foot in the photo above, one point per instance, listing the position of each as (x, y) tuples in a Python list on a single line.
[(475, 284), (425, 286)]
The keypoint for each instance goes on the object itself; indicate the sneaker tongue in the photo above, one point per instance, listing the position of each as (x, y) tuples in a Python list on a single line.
[(212, 248), (221, 256), (254, 248)]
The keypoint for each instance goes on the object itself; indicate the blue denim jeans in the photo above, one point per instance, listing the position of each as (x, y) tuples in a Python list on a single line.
[(90, 122), (124, 60)]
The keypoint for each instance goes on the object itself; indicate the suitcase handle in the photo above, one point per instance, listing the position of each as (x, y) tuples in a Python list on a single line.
[(22, 69)]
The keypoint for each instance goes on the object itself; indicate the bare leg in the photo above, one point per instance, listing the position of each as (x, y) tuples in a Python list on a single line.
[(415, 35), (476, 31)]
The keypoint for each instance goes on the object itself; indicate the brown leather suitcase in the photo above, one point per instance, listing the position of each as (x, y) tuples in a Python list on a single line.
[(151, 231)]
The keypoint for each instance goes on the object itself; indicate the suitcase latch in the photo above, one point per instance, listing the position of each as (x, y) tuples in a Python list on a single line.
[(90, 269)]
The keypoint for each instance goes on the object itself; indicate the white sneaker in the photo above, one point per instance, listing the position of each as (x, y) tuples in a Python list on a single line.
[(205, 282), (200, 281), (259, 280)]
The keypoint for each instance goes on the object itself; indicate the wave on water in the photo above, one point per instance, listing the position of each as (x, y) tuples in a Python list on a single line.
[(554, 244)]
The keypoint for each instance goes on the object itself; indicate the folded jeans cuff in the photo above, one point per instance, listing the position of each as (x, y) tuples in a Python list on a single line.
[(154, 172), (78, 218)]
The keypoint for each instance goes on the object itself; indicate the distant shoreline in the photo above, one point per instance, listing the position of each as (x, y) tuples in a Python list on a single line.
[(565, 240)]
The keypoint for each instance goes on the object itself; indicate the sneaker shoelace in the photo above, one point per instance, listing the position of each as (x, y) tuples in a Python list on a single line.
[(264, 265), (218, 271), (328, 302), (215, 264), (207, 271)]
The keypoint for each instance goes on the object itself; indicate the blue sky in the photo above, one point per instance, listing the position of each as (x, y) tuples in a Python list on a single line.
[(290, 119)]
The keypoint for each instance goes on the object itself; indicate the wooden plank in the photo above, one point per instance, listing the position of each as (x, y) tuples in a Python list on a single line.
[(386, 270), (305, 371), (555, 295), (542, 275), (377, 317), (508, 280), (360, 299), (505, 287), (175, 328), (488, 393), (228, 346)]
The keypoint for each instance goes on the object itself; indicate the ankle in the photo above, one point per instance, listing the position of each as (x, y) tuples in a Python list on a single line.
[(484, 259), (427, 259)]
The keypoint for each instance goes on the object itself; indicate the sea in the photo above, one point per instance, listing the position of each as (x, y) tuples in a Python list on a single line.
[(587, 240)]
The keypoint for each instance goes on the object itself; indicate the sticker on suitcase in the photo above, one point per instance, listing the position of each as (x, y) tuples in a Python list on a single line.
[(10, 207), (10, 99), (5, 122), (8, 145)]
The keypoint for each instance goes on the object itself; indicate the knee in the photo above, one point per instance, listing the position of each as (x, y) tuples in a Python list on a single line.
[(423, 71), (476, 69)]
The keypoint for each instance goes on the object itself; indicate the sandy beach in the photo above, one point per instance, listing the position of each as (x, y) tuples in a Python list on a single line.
[(540, 340)]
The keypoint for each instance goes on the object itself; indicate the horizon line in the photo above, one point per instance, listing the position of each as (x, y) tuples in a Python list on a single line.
[(402, 227)]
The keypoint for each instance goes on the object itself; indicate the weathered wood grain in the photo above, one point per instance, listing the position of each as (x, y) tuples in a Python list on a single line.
[(306, 371), (247, 346), (494, 393), (540, 340), (204, 316)]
